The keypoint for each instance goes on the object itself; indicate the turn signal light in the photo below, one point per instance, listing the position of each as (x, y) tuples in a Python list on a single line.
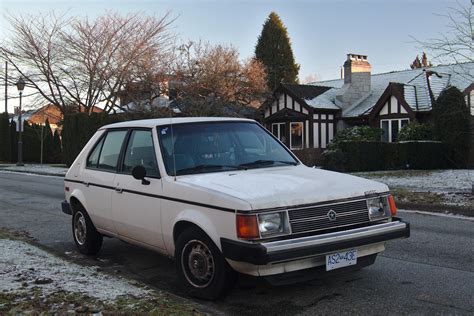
[(247, 226), (393, 207)]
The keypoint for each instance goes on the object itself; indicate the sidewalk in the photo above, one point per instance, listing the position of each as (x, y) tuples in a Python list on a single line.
[(47, 170)]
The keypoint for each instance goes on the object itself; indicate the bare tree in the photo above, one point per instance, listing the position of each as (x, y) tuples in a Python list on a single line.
[(211, 77), (456, 44), (83, 63), (313, 77)]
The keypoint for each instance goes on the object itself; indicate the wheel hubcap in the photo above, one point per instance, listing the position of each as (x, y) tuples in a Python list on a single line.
[(80, 228), (197, 263)]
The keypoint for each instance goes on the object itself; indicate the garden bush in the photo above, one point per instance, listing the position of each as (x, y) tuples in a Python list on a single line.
[(415, 131)]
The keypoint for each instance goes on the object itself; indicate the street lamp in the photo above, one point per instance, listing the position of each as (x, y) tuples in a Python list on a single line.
[(20, 86)]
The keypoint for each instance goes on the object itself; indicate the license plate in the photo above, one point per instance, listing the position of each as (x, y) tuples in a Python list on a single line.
[(341, 259)]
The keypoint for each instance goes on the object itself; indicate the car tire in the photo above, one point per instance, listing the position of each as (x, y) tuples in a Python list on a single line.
[(201, 268), (87, 239)]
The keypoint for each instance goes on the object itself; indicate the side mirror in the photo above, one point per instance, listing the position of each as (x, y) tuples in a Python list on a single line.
[(139, 173)]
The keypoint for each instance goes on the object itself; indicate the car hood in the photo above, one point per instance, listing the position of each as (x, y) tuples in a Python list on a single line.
[(284, 186)]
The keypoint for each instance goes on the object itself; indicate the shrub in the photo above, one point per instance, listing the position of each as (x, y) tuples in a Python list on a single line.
[(357, 133), (451, 119), (415, 131)]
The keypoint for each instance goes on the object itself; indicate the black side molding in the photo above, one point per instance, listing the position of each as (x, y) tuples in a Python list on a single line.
[(66, 207)]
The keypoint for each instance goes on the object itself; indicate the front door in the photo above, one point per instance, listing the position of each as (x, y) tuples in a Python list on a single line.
[(136, 206)]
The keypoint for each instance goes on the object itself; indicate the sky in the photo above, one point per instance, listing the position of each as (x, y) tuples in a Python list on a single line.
[(322, 32)]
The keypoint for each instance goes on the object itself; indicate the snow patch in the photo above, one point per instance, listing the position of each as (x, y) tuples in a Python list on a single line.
[(437, 181), (37, 169), (21, 262)]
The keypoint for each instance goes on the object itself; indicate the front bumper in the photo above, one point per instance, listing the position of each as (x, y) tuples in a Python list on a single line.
[(66, 207), (292, 249)]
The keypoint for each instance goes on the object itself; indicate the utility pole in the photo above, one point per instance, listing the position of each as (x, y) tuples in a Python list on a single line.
[(42, 141), (6, 86)]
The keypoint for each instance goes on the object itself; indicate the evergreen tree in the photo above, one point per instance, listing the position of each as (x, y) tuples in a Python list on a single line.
[(31, 143), (47, 142), (13, 142), (5, 140), (56, 150), (423, 63), (451, 120), (274, 51)]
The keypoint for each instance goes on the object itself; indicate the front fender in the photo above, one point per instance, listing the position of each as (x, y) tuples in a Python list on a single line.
[(199, 219)]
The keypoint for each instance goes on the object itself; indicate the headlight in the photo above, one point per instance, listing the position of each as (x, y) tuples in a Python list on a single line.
[(273, 224), (378, 208)]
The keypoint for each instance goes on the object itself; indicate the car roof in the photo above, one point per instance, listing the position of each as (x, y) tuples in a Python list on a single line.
[(175, 120)]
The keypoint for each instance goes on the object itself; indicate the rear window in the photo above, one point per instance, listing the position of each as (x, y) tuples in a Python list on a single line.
[(93, 159)]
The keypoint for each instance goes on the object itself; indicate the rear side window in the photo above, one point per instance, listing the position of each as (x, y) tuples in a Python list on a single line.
[(94, 155), (140, 152), (110, 152)]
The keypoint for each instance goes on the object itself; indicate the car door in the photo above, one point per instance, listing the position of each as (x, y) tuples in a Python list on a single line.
[(136, 206), (98, 178)]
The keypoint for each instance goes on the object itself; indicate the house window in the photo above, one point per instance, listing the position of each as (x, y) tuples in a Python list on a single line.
[(279, 130), (391, 128), (296, 137)]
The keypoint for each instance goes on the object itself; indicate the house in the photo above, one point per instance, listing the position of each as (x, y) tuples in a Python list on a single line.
[(308, 116), (148, 95), (48, 112)]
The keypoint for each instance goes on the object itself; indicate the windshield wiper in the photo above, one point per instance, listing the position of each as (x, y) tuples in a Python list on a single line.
[(204, 167), (263, 162)]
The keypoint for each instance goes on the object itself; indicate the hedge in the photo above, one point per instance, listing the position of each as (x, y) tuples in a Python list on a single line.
[(5, 138), (78, 128), (371, 156)]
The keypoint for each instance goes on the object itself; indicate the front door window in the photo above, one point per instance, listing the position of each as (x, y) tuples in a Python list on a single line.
[(296, 139), (140, 152)]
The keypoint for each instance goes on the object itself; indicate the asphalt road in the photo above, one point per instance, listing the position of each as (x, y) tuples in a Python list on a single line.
[(432, 272)]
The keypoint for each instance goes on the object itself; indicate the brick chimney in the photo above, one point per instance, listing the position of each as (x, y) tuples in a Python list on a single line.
[(357, 71)]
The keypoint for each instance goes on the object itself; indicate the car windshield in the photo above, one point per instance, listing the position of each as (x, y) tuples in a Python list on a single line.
[(219, 146)]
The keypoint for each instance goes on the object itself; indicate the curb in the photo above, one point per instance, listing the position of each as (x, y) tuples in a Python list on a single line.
[(452, 216), (436, 209)]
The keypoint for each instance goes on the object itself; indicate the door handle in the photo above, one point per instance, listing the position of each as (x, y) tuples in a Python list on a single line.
[(118, 190), (86, 184)]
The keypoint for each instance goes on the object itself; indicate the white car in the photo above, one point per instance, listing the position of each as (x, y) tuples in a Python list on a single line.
[(223, 195)]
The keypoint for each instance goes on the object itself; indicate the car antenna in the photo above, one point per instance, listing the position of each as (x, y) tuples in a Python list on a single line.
[(172, 143)]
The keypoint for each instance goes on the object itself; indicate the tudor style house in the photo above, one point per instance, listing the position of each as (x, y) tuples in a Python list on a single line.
[(308, 116)]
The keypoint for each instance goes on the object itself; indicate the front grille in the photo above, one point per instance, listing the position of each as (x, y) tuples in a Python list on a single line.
[(314, 218)]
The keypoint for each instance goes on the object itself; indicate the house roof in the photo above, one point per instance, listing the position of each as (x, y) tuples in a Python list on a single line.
[(312, 95), (304, 91), (418, 84)]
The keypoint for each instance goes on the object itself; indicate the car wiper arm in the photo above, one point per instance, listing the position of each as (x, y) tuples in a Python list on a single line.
[(204, 167), (267, 162)]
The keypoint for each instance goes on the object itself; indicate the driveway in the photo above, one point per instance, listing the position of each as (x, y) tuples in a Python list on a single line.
[(431, 272)]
